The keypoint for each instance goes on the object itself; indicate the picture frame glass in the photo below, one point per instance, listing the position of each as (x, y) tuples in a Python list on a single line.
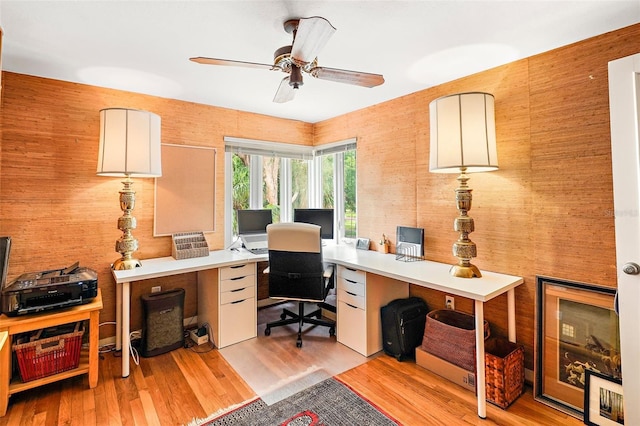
[(577, 330)]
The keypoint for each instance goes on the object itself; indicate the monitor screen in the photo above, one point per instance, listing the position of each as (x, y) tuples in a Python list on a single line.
[(410, 240), (320, 217), (253, 221)]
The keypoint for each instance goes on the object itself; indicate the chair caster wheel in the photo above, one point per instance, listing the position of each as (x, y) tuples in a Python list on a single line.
[(299, 344), (332, 332), (267, 331)]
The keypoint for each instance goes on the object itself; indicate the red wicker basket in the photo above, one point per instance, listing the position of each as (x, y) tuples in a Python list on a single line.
[(50, 355)]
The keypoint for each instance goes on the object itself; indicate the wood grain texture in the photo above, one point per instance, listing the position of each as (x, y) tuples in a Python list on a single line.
[(547, 211), (175, 387)]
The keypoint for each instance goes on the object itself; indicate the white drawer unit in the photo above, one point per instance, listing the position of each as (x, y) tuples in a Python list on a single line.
[(227, 302), (360, 297)]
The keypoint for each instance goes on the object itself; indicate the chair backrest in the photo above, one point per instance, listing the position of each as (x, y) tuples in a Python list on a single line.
[(295, 262)]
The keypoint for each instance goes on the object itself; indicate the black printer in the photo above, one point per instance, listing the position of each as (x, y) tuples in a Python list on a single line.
[(45, 290)]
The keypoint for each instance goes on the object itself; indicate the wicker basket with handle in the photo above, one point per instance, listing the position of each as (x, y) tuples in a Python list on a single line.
[(451, 335)]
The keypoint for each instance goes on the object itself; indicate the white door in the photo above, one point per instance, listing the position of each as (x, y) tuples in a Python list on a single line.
[(624, 101)]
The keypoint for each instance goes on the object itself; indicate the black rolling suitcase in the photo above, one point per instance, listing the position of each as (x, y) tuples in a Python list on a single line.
[(403, 323)]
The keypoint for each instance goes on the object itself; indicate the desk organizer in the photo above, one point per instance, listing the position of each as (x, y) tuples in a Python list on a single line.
[(45, 356), (189, 244), (408, 252)]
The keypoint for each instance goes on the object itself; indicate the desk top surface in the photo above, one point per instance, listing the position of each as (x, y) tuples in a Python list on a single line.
[(424, 273)]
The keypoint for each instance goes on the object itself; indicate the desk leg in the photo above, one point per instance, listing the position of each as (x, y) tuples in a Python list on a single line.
[(5, 374), (94, 334), (511, 314), (119, 316), (480, 378), (126, 302)]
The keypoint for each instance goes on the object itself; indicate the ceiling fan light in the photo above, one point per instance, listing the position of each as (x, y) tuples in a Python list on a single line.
[(295, 79)]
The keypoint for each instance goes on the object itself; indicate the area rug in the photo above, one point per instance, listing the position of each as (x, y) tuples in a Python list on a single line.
[(329, 402)]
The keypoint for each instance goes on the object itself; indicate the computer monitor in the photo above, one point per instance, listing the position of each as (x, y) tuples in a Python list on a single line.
[(253, 221), (320, 217), (410, 241)]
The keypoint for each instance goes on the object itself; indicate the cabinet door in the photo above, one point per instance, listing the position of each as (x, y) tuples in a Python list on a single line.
[(352, 327), (238, 322)]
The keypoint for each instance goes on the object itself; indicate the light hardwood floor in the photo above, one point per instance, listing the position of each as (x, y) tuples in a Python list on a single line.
[(174, 388)]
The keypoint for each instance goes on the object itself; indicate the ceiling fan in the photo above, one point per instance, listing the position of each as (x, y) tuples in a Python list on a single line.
[(309, 37)]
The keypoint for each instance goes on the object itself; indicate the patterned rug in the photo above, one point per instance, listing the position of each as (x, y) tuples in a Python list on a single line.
[(329, 402)]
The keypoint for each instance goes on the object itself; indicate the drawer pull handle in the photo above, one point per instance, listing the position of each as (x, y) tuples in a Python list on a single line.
[(238, 301), (351, 294), (349, 281), (351, 306), (238, 289), (349, 269), (237, 266), (236, 278)]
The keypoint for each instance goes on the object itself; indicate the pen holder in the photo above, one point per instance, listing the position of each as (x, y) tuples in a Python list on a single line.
[(383, 248)]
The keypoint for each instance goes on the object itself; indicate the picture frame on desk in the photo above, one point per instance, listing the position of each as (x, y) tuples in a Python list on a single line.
[(603, 400), (362, 244), (576, 330)]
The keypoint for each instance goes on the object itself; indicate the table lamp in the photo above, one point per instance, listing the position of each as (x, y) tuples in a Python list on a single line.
[(129, 147), (463, 140)]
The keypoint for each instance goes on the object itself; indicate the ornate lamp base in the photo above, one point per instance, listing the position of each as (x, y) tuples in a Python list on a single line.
[(465, 271), (464, 249), (127, 244)]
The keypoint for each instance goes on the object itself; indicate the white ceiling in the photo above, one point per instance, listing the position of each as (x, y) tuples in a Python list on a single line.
[(145, 46)]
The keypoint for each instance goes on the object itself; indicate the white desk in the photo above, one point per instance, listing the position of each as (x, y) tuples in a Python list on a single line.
[(427, 274)]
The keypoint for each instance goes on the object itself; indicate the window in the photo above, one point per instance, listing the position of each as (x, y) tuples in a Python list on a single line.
[(283, 177)]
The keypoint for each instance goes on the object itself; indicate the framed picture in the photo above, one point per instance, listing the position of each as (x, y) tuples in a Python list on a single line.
[(577, 331), (603, 401)]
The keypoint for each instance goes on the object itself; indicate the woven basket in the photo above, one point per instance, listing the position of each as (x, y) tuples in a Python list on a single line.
[(51, 355), (504, 371), (451, 335)]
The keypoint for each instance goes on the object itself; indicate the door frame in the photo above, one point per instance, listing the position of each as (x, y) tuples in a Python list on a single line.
[(624, 96)]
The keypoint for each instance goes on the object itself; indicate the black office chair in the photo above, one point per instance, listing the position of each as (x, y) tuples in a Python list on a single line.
[(297, 273)]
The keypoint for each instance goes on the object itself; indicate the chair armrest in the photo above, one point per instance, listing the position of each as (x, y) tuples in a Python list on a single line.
[(328, 271)]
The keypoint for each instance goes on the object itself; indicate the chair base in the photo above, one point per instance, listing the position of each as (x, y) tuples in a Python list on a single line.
[(300, 318)]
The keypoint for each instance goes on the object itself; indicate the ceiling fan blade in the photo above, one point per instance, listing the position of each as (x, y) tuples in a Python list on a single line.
[(311, 36), (349, 77), (285, 92), (229, 63)]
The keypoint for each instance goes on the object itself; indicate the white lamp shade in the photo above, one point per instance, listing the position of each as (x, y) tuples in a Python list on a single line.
[(129, 143), (463, 133)]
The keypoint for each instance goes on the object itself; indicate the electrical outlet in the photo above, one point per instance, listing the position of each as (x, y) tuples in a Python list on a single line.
[(156, 289), (449, 302)]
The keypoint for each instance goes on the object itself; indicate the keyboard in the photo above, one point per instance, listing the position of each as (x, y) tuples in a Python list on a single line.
[(261, 250)]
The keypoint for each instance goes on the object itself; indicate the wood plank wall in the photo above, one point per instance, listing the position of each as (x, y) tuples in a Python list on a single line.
[(547, 211), (58, 211)]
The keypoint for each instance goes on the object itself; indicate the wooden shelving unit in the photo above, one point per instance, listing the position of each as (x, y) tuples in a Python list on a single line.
[(88, 357)]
